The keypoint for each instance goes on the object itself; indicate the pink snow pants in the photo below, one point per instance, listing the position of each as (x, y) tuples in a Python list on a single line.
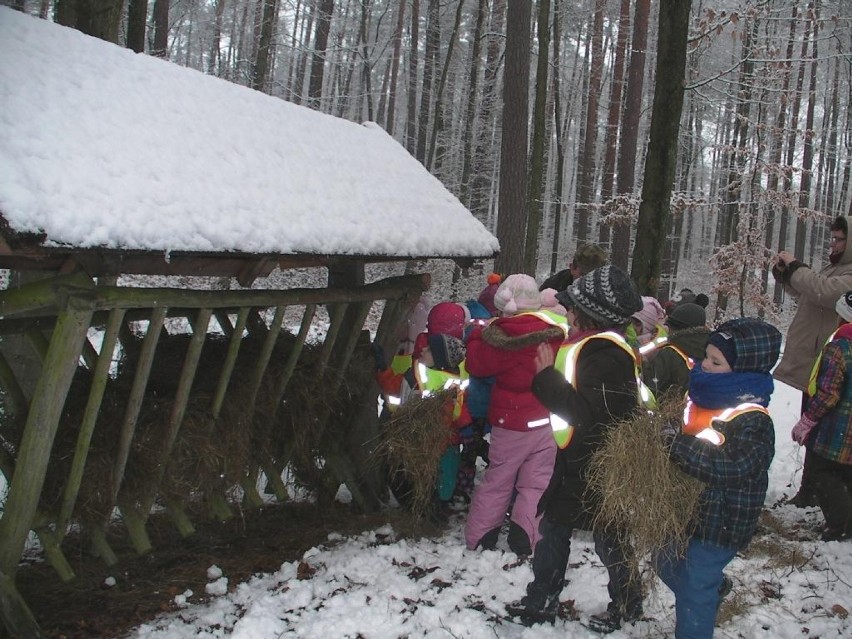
[(520, 461)]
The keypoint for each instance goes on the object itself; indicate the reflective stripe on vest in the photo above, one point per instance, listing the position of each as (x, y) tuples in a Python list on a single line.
[(812, 380), (430, 380), (698, 421), (566, 363)]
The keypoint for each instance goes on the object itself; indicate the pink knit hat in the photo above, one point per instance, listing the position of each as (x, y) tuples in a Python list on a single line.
[(550, 303), (447, 318), (652, 313), (517, 293)]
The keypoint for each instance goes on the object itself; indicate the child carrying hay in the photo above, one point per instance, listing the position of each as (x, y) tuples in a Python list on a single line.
[(641, 495), (421, 437), (727, 442)]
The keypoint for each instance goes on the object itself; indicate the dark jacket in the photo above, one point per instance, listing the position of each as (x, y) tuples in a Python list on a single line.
[(736, 474), (606, 393), (559, 280), (506, 349), (667, 369)]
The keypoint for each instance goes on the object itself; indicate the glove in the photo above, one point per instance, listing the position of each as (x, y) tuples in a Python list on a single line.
[(379, 355), (669, 431), (802, 429)]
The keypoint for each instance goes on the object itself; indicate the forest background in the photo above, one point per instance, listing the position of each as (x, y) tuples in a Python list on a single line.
[(677, 134)]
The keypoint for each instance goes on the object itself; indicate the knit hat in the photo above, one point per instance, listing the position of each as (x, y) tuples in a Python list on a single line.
[(685, 295), (607, 295), (652, 313), (588, 257), (517, 293), (748, 344), (687, 315), (550, 302), (447, 351), (844, 306), (486, 297), (448, 318)]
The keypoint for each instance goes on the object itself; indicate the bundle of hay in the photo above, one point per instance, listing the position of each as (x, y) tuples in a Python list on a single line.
[(414, 439), (642, 495)]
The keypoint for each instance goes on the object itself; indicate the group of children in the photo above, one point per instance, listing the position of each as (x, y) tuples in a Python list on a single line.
[(557, 369)]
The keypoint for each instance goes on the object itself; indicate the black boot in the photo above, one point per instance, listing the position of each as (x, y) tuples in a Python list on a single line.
[(519, 541)]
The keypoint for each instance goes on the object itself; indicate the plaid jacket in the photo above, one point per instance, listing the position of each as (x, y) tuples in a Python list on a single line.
[(831, 405), (735, 474)]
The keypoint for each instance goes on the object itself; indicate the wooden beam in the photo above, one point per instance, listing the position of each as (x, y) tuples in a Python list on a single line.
[(39, 433)]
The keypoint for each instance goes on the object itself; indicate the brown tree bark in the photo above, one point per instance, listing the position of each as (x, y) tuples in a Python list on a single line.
[(430, 62), (160, 47), (137, 20), (97, 18), (413, 79), (587, 161), (511, 220), (260, 70), (394, 70), (630, 118), (536, 179), (661, 160), (470, 113), (612, 120), (325, 9)]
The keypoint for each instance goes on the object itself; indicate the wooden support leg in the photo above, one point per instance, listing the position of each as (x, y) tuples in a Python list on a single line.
[(50, 543), (17, 617), (135, 524), (100, 545), (273, 477), (251, 498), (179, 517), (219, 508)]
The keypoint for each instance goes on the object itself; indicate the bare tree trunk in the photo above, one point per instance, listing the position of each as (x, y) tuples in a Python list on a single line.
[(511, 221), (807, 148), (436, 147), (433, 42), (394, 71), (97, 18), (260, 72), (367, 69), (214, 62), (326, 9), (534, 196), (473, 90), (630, 117), (482, 164), (611, 133), (413, 64), (661, 160), (160, 48), (587, 164), (137, 19), (559, 129)]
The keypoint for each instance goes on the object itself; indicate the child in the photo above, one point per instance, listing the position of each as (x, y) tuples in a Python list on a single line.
[(522, 450), (593, 394), (668, 366), (439, 366), (826, 427), (727, 441), (646, 324)]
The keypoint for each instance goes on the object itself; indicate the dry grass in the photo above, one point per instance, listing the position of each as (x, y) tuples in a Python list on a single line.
[(414, 438), (640, 491)]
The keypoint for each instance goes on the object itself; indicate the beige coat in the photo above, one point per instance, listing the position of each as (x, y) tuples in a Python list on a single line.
[(815, 317)]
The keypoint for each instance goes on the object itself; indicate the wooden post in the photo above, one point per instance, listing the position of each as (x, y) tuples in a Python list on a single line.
[(39, 432)]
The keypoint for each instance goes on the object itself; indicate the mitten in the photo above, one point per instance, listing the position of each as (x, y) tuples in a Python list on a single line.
[(668, 432), (802, 429)]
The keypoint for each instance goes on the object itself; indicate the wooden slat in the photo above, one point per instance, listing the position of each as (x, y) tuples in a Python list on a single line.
[(137, 394), (87, 427), (230, 360), (187, 376), (39, 433), (293, 358)]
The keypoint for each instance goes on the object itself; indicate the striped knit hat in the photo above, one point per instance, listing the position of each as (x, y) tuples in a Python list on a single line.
[(607, 295)]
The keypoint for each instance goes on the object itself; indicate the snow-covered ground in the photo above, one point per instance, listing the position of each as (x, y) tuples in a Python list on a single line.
[(376, 586)]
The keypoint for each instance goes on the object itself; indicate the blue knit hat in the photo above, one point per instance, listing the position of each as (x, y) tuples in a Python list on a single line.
[(748, 343)]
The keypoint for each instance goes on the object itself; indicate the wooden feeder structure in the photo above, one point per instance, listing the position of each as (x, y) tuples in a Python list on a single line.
[(118, 398)]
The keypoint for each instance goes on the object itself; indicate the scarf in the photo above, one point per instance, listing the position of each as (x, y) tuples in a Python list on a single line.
[(725, 390)]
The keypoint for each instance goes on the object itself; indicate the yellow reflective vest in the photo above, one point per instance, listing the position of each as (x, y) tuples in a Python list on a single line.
[(566, 363)]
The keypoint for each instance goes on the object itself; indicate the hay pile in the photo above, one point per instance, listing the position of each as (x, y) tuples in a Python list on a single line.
[(642, 494), (414, 439)]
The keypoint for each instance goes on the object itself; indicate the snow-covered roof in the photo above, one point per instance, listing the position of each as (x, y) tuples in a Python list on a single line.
[(103, 148)]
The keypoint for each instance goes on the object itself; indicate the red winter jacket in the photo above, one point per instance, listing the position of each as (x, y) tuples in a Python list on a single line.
[(506, 350)]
